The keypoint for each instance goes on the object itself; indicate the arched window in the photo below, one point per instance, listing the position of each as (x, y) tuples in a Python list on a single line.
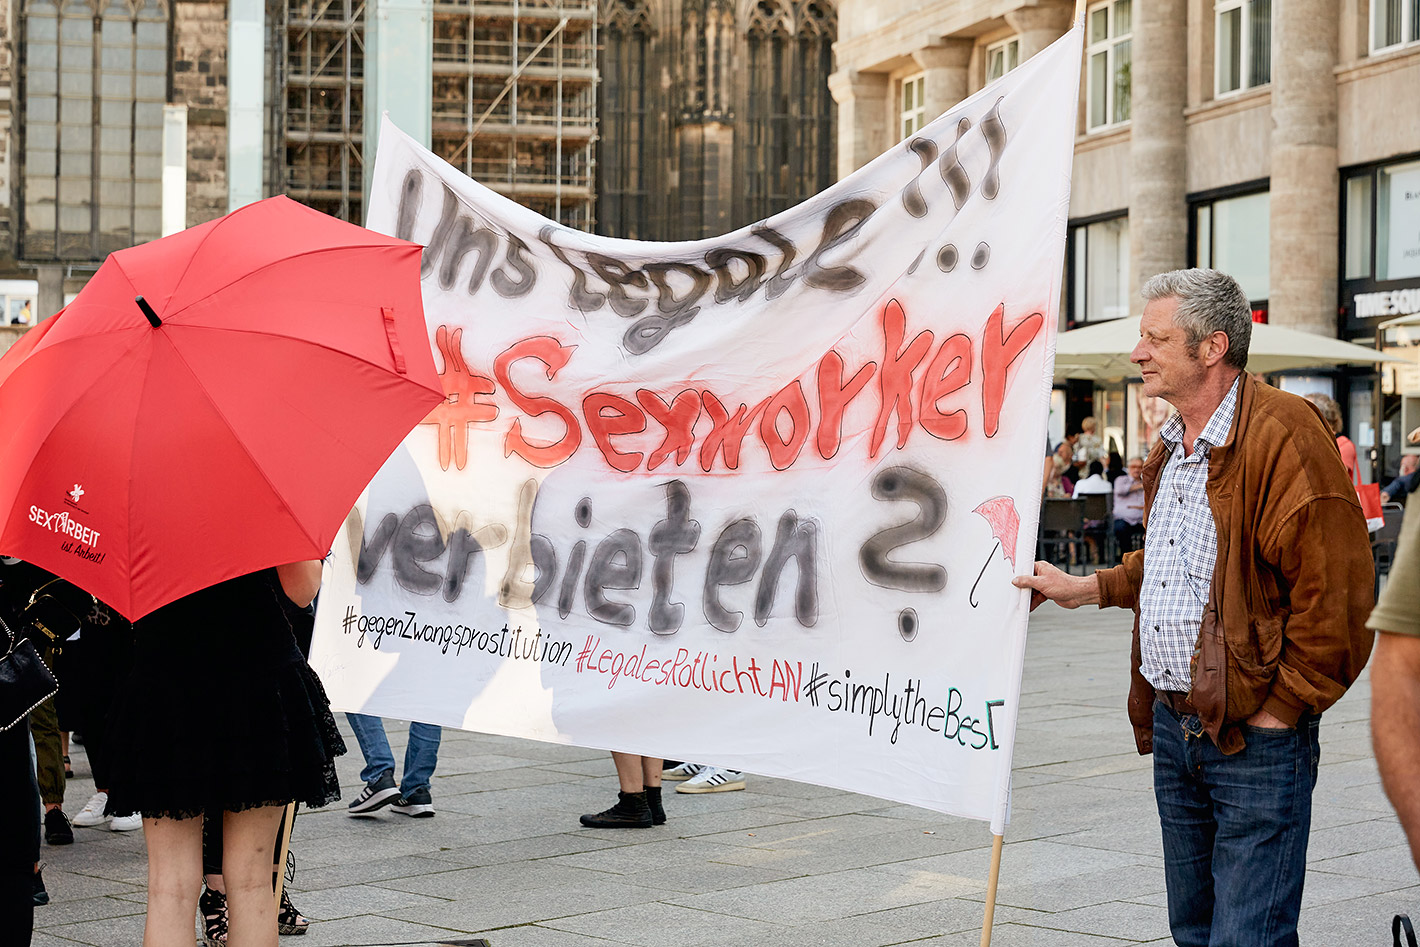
[(708, 38), (788, 151), (621, 183)]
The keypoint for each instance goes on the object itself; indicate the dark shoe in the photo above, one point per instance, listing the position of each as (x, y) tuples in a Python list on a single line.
[(418, 804), (41, 896), (68, 769), (377, 794), (213, 908), (288, 919), (57, 830), (630, 812), (653, 802)]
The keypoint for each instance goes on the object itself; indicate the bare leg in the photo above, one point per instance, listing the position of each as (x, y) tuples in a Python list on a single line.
[(631, 772), (174, 867), (650, 771), (248, 847)]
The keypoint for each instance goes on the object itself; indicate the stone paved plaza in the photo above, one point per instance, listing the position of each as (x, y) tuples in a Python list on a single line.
[(783, 863)]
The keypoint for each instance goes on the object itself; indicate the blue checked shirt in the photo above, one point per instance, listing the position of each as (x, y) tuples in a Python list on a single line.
[(1179, 553)]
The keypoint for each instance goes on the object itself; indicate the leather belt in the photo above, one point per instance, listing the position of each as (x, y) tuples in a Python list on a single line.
[(1177, 701)]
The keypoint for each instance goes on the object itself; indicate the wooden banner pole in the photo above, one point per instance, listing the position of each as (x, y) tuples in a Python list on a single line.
[(992, 876), (282, 848)]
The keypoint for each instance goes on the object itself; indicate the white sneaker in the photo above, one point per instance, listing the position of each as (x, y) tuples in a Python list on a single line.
[(684, 771), (126, 823), (93, 812), (714, 779)]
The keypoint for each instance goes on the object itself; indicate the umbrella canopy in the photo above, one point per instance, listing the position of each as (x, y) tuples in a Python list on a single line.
[(1102, 351), (211, 404)]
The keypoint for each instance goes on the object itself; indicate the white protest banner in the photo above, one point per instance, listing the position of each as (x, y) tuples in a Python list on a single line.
[(755, 501)]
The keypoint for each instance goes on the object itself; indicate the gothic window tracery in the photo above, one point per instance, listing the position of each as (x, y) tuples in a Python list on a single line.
[(621, 182), (789, 113)]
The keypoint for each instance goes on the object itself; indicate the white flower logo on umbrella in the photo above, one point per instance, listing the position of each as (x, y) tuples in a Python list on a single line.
[(76, 493)]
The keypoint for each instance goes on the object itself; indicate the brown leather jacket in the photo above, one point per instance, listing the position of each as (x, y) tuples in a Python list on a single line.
[(1284, 629)]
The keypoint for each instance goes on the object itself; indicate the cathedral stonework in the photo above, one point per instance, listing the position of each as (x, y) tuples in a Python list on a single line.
[(713, 113)]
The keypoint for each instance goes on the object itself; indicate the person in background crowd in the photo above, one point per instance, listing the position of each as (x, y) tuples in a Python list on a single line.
[(412, 796), (698, 778), (1094, 483), (221, 712), (1331, 411), (1088, 446), (1395, 684), (99, 661), (21, 884), (1406, 481), (638, 804), (1057, 485), (1250, 599), (1129, 507), (21, 583), (1115, 468), (1095, 535)]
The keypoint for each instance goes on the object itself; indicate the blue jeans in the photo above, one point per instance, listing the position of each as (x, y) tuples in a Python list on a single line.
[(1235, 830), (420, 756)]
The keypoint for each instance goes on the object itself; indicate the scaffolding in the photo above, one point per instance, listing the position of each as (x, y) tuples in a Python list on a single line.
[(514, 101), (321, 76)]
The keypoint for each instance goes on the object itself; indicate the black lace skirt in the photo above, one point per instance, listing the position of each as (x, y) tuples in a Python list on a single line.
[(221, 711)]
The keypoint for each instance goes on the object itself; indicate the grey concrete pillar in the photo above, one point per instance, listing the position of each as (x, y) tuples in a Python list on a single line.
[(1158, 209), (1305, 191), (1040, 26), (399, 45), (51, 290), (862, 117), (944, 67)]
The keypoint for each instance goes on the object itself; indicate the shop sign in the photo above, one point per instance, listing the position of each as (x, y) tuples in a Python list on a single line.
[(1394, 302)]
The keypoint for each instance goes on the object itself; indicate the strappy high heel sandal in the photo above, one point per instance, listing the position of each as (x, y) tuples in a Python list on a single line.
[(213, 908), (288, 919)]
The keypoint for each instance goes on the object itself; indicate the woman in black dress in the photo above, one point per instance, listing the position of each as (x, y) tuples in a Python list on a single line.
[(221, 712)]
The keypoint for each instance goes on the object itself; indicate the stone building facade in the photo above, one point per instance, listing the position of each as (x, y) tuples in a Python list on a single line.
[(1276, 141), (199, 82)]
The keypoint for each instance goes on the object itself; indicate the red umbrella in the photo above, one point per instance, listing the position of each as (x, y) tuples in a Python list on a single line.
[(211, 404)]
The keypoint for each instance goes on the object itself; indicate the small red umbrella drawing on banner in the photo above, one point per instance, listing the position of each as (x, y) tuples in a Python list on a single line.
[(1000, 512)]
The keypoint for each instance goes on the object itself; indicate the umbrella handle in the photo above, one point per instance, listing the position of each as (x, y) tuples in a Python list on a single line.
[(971, 599), (148, 311)]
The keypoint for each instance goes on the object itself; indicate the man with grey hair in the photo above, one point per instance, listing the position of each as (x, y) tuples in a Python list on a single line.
[(1250, 599)]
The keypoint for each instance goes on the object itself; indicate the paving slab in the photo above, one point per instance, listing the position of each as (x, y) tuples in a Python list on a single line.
[(781, 862)]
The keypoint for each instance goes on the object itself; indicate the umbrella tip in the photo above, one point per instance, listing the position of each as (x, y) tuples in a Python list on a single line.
[(148, 311)]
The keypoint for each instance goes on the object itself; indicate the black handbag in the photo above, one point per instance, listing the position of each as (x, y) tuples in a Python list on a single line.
[(25, 680)]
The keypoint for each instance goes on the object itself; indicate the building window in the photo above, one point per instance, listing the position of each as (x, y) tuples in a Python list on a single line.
[(1382, 220), (1243, 54), (1001, 58), (1394, 23), (1398, 221), (1231, 234), (913, 112), (1099, 285), (1109, 57)]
